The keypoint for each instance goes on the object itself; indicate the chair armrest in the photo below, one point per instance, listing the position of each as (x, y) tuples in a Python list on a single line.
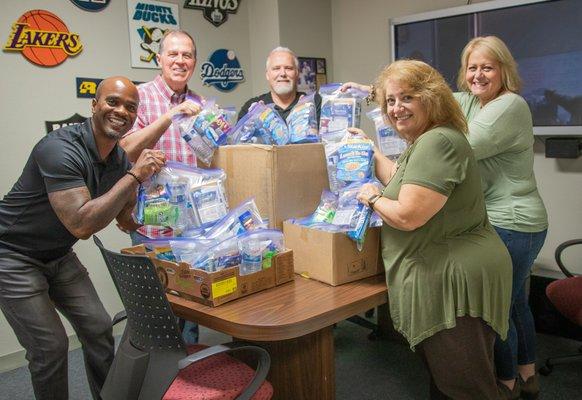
[(263, 363), (558, 255), (120, 316)]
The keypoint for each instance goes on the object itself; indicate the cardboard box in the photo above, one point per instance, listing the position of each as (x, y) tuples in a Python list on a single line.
[(286, 181), (332, 258), (214, 288)]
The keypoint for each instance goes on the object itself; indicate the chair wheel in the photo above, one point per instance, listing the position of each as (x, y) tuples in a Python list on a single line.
[(546, 370)]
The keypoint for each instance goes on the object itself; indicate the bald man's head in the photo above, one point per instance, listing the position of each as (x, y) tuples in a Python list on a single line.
[(114, 107)]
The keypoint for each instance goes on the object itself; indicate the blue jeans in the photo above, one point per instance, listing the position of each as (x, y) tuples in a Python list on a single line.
[(520, 346), (190, 332)]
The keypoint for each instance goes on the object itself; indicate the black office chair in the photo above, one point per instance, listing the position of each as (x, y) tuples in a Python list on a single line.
[(566, 296), (152, 361)]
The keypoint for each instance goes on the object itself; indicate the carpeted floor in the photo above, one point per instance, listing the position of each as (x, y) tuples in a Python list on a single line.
[(365, 370)]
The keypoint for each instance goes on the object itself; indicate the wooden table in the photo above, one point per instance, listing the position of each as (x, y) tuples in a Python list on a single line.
[(294, 322)]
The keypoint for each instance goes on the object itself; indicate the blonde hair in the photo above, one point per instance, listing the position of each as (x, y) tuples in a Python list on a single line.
[(496, 49), (429, 86)]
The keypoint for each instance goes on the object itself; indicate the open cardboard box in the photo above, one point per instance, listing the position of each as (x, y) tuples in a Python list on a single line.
[(214, 288), (286, 181), (332, 258)]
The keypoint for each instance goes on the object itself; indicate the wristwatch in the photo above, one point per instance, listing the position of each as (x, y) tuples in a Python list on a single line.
[(372, 200)]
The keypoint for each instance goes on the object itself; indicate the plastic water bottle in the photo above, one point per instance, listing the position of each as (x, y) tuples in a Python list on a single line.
[(178, 198), (251, 257)]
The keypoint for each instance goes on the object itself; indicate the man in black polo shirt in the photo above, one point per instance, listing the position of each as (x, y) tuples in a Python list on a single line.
[(76, 181), (282, 74)]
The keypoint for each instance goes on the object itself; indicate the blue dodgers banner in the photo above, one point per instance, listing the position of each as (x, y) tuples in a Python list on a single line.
[(215, 11), (91, 5), (222, 70)]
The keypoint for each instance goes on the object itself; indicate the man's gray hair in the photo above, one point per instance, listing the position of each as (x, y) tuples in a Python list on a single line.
[(175, 32), (280, 49)]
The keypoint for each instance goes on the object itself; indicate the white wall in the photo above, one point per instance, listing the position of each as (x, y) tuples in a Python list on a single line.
[(361, 47)]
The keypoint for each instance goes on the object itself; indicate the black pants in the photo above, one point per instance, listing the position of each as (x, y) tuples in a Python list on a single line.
[(31, 292), (460, 361)]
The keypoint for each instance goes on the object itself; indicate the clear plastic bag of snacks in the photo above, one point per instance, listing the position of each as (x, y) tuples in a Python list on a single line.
[(302, 121), (209, 255), (262, 124), (353, 215), (325, 211), (391, 145), (257, 249), (273, 125), (205, 131), (339, 110), (247, 129), (244, 217), (176, 197), (229, 114), (348, 160)]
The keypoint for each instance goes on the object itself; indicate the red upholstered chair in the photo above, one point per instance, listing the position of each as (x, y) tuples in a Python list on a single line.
[(566, 295), (152, 361)]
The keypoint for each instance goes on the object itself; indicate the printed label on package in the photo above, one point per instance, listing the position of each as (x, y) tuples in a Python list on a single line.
[(215, 11), (148, 21), (222, 70), (43, 39)]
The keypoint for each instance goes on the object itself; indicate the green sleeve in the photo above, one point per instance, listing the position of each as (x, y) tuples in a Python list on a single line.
[(495, 128), (436, 163)]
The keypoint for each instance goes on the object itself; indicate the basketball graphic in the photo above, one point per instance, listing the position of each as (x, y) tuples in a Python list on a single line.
[(43, 38)]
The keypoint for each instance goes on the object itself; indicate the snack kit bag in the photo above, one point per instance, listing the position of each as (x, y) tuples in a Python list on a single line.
[(229, 114), (353, 215), (208, 201), (209, 255), (262, 124), (324, 212), (205, 131), (302, 121), (389, 142), (176, 197), (331, 143), (244, 130), (339, 110), (348, 160), (272, 125), (243, 218)]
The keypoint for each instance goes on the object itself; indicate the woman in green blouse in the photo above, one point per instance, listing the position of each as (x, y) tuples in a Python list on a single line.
[(448, 273), (501, 135)]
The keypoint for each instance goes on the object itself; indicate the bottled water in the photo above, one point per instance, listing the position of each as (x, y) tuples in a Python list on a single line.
[(251, 256)]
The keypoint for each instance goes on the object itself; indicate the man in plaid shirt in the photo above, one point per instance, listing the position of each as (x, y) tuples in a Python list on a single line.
[(160, 100)]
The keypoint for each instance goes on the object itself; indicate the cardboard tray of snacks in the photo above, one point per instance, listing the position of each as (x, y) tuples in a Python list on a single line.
[(215, 288)]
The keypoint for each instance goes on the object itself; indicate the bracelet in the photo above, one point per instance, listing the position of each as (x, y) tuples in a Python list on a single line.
[(135, 176), (372, 200), (371, 96)]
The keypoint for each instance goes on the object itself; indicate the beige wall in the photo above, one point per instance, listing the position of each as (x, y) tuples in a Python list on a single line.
[(32, 95)]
